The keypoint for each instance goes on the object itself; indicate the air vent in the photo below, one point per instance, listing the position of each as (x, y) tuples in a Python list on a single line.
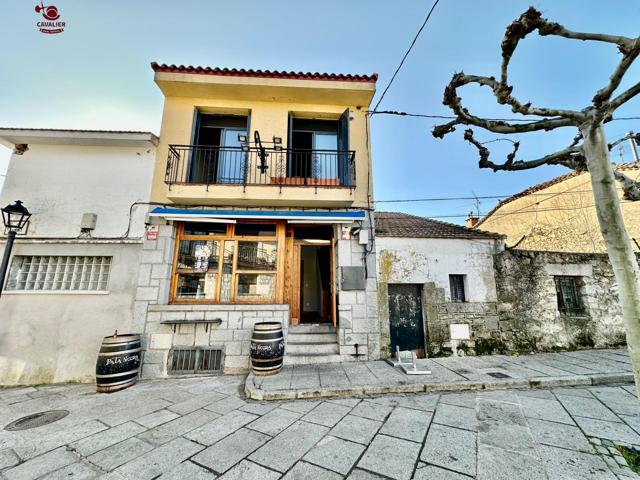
[(195, 360)]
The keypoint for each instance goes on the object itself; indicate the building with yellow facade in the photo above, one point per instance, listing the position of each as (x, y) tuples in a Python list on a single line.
[(262, 211)]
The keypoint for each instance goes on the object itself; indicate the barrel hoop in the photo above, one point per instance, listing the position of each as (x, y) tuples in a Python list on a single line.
[(268, 340), (115, 384), (120, 345), (121, 352), (267, 328), (113, 375), (121, 339), (266, 360)]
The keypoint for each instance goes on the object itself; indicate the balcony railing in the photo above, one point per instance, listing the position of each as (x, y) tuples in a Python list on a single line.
[(209, 165)]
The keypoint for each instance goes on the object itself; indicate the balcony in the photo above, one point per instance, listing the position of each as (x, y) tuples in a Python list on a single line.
[(249, 175)]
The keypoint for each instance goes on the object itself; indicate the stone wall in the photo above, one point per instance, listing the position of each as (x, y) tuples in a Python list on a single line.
[(528, 306)]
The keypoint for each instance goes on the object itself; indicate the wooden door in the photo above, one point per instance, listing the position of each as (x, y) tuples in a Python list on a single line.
[(405, 318)]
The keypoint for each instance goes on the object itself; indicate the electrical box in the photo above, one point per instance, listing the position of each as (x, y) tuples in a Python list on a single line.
[(353, 278), (89, 221), (363, 237)]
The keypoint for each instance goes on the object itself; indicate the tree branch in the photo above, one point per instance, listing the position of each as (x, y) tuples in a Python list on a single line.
[(631, 188), (570, 157), (624, 97)]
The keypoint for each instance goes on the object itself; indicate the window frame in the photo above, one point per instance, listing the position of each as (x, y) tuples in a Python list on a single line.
[(465, 296), (561, 299), (230, 236)]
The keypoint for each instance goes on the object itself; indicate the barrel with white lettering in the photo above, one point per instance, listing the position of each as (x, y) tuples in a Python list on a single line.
[(267, 348), (118, 362)]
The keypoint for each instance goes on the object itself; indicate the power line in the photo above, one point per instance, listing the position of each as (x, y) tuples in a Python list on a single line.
[(407, 53), (450, 117), (483, 197)]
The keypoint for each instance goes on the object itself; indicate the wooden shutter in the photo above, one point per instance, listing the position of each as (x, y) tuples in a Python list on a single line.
[(343, 147)]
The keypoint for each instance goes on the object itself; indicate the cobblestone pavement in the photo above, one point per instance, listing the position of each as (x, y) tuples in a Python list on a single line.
[(200, 428), (584, 367)]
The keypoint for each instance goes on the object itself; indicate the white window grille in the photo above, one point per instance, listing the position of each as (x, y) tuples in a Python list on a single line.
[(59, 273)]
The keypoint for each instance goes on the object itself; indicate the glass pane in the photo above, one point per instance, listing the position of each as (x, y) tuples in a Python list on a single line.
[(257, 256), (196, 285), (231, 161), (255, 230), (199, 255), (203, 228), (227, 271), (256, 286)]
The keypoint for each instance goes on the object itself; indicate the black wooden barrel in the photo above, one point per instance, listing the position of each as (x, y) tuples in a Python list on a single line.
[(267, 348), (118, 362)]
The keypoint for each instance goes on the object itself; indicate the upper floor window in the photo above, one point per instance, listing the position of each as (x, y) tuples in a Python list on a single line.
[(456, 287), (319, 150), (224, 162), (568, 294)]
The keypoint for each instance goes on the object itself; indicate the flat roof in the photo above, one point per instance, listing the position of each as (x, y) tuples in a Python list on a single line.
[(54, 136)]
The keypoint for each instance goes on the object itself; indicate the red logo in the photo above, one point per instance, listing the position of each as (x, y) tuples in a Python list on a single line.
[(50, 14)]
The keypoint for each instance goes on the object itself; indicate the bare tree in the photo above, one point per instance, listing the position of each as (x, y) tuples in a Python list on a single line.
[(587, 151)]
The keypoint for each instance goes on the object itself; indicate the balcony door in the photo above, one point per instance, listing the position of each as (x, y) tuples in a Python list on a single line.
[(217, 156), (315, 151)]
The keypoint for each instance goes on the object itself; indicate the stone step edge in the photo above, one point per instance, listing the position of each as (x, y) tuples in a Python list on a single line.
[(253, 392)]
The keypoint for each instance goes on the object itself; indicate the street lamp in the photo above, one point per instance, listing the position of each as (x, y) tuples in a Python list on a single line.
[(14, 217)]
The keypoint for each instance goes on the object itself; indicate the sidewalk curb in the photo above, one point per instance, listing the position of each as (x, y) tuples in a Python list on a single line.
[(253, 392)]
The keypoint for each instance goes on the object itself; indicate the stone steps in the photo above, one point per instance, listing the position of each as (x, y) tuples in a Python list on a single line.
[(309, 344)]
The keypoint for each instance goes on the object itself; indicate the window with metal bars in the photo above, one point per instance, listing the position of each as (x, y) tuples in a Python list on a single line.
[(456, 286), (568, 293), (59, 273), (195, 360)]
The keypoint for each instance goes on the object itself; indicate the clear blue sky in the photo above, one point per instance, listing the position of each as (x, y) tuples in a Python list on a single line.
[(96, 74)]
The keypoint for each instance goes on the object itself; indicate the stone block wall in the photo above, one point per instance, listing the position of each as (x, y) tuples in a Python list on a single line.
[(528, 307), (358, 309), (233, 334), (482, 318)]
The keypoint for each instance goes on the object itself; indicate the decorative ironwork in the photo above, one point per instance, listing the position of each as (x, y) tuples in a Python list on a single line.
[(259, 165)]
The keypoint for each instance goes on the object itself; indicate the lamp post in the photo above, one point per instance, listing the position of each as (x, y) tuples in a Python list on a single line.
[(14, 217)]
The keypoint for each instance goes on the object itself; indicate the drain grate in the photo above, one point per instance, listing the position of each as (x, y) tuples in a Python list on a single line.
[(36, 420), (498, 375)]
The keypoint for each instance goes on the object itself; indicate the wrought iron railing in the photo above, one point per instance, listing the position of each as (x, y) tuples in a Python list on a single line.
[(210, 165)]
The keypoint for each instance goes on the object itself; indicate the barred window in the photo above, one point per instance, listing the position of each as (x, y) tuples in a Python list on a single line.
[(568, 293), (59, 273)]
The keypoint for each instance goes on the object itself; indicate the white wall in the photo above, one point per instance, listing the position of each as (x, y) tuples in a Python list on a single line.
[(55, 336), (422, 260), (58, 183)]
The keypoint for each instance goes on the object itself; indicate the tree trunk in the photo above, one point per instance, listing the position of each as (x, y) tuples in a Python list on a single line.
[(616, 239)]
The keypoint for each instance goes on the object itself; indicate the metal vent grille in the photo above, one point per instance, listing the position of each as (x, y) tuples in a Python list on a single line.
[(195, 360)]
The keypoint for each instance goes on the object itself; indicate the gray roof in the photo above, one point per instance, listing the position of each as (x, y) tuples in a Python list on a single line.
[(396, 224)]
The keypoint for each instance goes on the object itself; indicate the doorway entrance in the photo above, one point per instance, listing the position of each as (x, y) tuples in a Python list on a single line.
[(315, 284), (405, 318), (310, 277)]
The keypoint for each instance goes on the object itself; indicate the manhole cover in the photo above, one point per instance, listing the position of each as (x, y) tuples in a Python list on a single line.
[(37, 420), (498, 375)]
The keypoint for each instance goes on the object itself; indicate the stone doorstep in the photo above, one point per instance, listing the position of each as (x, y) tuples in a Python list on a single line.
[(255, 393)]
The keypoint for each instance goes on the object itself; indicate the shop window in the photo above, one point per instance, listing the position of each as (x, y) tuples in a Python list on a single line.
[(237, 265)]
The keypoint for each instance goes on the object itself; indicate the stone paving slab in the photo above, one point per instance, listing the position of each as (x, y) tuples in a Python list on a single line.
[(542, 370), (559, 433)]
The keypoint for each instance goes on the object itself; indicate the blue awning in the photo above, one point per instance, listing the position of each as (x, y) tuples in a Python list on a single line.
[(229, 216)]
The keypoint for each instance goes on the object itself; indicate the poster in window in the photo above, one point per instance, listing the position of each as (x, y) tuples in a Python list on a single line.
[(201, 254)]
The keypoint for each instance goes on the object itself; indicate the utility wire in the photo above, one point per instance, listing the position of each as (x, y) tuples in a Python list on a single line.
[(406, 54), (450, 117)]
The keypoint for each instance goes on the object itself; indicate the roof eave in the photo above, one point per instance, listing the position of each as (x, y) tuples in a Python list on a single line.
[(15, 136)]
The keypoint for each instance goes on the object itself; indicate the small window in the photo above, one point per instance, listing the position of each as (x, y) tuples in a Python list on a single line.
[(456, 286), (195, 360), (59, 273), (568, 293)]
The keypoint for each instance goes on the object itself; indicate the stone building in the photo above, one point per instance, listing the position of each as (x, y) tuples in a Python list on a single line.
[(559, 215), (433, 274), (72, 274), (265, 186)]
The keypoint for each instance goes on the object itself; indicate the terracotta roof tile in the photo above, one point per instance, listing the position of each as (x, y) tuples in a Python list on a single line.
[(396, 224), (241, 72), (550, 183), (72, 130)]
